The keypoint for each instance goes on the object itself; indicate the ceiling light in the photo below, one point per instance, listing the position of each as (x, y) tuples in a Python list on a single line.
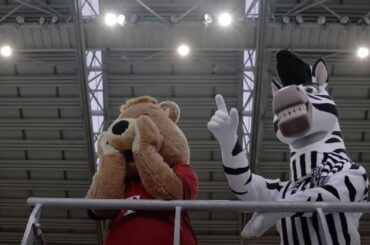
[(6, 51), (224, 19), (19, 19), (54, 19), (173, 18), (42, 20), (362, 52), (207, 19), (286, 20), (183, 50), (299, 19), (344, 20), (121, 19), (110, 19), (321, 20)]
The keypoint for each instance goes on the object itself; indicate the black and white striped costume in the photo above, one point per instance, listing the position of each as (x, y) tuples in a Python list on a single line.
[(316, 176), (321, 170)]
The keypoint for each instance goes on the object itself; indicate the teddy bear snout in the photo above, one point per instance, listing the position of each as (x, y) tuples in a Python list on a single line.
[(120, 127)]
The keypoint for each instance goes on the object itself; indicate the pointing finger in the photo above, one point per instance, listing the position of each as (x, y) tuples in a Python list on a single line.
[(221, 103), (234, 117)]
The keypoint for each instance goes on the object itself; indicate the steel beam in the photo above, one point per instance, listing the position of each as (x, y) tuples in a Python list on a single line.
[(30, 5), (44, 102), (329, 10), (84, 87), (190, 10), (297, 7), (44, 165), (106, 82), (253, 4), (11, 12), (308, 7), (33, 144), (151, 11), (49, 7), (163, 37), (258, 93), (40, 124), (184, 102)]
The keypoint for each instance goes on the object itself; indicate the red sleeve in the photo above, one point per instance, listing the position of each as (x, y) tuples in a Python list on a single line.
[(189, 180)]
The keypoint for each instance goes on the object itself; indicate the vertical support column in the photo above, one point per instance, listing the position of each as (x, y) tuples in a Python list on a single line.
[(248, 100), (94, 64), (176, 235), (248, 79), (257, 122), (248, 88), (83, 80), (86, 8)]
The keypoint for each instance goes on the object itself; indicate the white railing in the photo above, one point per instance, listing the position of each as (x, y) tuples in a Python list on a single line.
[(33, 233)]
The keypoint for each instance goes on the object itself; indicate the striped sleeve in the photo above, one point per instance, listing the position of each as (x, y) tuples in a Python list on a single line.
[(248, 186), (348, 185)]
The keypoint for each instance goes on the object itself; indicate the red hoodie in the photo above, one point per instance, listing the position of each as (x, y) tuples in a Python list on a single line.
[(153, 227)]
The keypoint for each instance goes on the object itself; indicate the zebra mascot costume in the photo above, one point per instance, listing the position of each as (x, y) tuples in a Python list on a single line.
[(305, 118)]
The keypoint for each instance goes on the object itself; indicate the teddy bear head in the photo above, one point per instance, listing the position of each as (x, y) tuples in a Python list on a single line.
[(165, 115)]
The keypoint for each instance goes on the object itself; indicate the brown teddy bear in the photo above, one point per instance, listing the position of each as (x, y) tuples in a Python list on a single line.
[(144, 155)]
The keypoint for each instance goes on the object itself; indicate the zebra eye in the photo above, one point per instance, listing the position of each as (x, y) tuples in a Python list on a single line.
[(310, 89)]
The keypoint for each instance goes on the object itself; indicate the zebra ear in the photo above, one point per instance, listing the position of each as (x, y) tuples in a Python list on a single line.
[(320, 73), (275, 85)]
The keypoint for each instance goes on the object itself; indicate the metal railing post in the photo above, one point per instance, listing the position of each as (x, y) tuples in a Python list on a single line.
[(33, 221), (176, 235), (323, 227)]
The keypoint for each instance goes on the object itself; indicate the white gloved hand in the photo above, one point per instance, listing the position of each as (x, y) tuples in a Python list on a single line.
[(224, 126), (260, 223)]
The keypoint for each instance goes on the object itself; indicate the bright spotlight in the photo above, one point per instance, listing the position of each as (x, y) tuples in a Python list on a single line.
[(183, 50), (362, 52), (224, 19), (110, 19), (121, 19), (6, 51)]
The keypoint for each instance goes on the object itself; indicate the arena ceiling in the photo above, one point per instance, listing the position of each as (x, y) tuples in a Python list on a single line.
[(46, 131)]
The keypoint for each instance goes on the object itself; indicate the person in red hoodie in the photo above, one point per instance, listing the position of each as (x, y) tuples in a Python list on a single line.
[(144, 155)]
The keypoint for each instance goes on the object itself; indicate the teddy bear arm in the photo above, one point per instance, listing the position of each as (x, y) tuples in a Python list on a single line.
[(108, 181), (157, 177)]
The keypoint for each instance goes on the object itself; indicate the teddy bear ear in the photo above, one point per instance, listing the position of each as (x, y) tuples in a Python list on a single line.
[(171, 109)]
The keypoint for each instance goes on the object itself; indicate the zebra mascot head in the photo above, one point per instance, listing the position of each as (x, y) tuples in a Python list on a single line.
[(304, 112)]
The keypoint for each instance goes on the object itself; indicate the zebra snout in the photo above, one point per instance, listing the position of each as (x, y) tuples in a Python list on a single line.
[(120, 127), (288, 97)]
